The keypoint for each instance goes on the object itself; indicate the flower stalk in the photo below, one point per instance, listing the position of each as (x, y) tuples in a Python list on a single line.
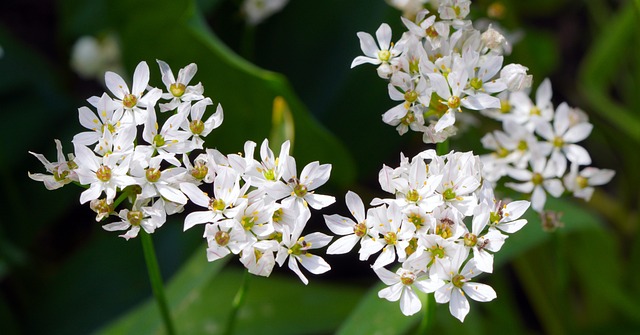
[(156, 280), (238, 301)]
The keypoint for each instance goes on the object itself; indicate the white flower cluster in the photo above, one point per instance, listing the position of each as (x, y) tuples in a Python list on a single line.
[(257, 209), (535, 144), (440, 67), (443, 226)]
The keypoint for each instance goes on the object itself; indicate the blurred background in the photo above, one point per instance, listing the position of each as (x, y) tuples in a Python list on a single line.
[(61, 273)]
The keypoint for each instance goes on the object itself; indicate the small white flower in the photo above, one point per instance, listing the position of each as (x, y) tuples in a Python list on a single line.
[(179, 90), (401, 285), (515, 77)]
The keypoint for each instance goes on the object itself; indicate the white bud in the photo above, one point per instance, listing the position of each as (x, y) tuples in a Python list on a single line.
[(515, 77), (492, 39)]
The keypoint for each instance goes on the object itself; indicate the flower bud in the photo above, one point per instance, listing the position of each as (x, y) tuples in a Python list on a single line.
[(515, 77)]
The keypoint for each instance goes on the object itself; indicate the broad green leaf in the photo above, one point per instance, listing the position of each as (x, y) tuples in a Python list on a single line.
[(200, 299), (601, 69)]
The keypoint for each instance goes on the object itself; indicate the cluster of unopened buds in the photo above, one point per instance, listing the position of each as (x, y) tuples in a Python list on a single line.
[(441, 68), (256, 209)]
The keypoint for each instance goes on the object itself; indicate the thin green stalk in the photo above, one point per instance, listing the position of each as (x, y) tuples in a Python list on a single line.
[(156, 280), (429, 317), (238, 300)]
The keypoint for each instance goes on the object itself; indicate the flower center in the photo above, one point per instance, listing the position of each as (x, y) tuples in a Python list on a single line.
[(505, 107), (410, 96), (431, 32), (416, 219), (444, 228), (470, 240), (248, 222), (300, 190), (277, 215), (158, 140), (177, 89), (153, 174), (449, 194), (360, 229), (407, 278), (196, 127), (558, 142), (413, 196), (408, 118), (134, 217), (476, 83), (222, 238), (217, 205), (453, 102), (199, 171), (384, 55), (582, 181), (522, 145), (537, 179), (269, 174), (412, 247), (458, 281), (104, 173), (535, 110), (390, 238), (129, 101)]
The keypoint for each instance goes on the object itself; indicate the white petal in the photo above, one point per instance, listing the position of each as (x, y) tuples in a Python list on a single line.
[(315, 264), (459, 305), (293, 265), (343, 245), (195, 218), (409, 302), (479, 292)]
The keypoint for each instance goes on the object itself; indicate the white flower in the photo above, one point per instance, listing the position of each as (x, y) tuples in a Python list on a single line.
[(225, 203), (383, 54), (401, 285), (179, 90), (581, 183), (259, 258), (297, 248), (541, 178), (353, 231), (198, 128), (458, 285), (299, 192), (224, 237), (102, 173), (134, 103), (563, 136), (62, 171), (515, 77), (98, 125), (149, 218)]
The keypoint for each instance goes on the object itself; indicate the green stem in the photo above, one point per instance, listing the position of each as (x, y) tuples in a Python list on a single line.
[(156, 280), (428, 319), (238, 300), (442, 148)]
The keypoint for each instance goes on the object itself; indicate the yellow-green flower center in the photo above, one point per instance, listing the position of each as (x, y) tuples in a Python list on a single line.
[(558, 142), (135, 217), (535, 110), (391, 238), (248, 222), (458, 281), (360, 229), (384, 55), (407, 278), (453, 102), (277, 215), (222, 238), (129, 101), (158, 140), (416, 219), (217, 205), (522, 145), (505, 106), (196, 127), (269, 174), (413, 196), (412, 247), (470, 240), (177, 89), (199, 171), (104, 173), (300, 190), (410, 96), (537, 179), (449, 194), (476, 83), (153, 174), (582, 182)]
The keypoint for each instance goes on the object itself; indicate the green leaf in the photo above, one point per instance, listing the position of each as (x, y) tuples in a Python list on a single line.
[(601, 70), (200, 299)]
